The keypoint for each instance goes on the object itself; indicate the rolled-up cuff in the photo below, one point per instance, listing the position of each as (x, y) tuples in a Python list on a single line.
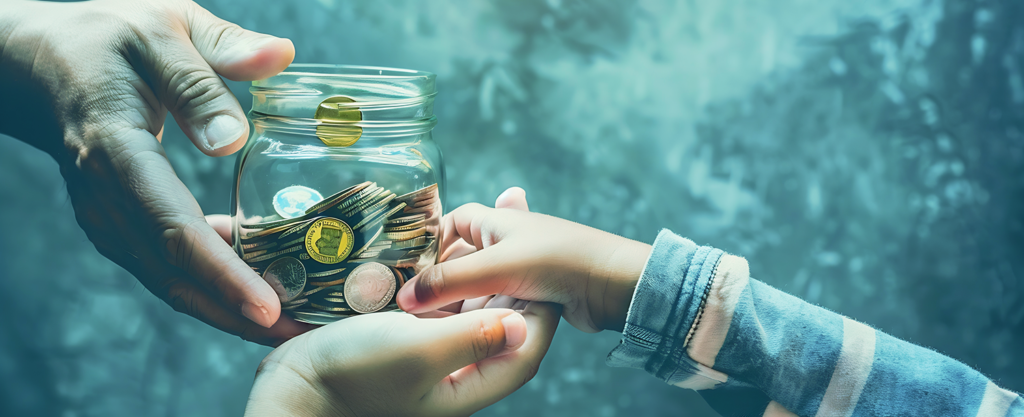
[(664, 307)]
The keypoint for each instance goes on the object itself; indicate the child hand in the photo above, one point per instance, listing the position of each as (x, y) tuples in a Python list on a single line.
[(532, 257)]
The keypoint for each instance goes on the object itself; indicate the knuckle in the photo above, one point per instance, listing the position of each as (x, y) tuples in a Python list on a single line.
[(178, 241), (485, 339), (191, 86), (223, 35), (183, 300)]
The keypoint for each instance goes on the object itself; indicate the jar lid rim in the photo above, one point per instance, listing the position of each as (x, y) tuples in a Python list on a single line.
[(354, 71)]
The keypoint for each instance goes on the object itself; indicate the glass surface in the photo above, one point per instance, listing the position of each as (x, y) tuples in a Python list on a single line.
[(337, 229)]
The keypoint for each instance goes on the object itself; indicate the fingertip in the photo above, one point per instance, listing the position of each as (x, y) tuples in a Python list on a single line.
[(406, 297), (513, 198), (262, 61), (258, 313), (261, 304)]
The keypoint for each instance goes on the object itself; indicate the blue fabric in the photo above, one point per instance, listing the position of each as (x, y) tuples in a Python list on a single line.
[(779, 348), (662, 307)]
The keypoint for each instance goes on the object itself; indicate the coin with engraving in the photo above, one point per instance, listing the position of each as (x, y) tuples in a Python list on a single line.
[(287, 276), (329, 240), (293, 201), (369, 287)]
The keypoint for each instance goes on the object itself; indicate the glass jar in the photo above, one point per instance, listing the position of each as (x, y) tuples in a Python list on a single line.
[(338, 192)]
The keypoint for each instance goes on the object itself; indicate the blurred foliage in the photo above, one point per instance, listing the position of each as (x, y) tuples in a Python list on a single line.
[(865, 156)]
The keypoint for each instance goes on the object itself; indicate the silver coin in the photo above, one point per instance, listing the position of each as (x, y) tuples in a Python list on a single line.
[(317, 317), (293, 201), (287, 276), (370, 287)]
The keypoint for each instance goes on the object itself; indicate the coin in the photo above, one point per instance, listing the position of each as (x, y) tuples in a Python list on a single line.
[(406, 244), (337, 197), (295, 304), (287, 276), (293, 201), (407, 226), (367, 219), (325, 273), (338, 117), (317, 317), (308, 293), (359, 197), (328, 283), (329, 240), (369, 242), (406, 219), (384, 216), (327, 308), (363, 202), (274, 254), (296, 228), (369, 287), (424, 193), (405, 234), (253, 254)]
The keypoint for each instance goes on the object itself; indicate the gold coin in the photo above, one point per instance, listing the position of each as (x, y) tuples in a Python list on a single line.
[(408, 226), (328, 283), (338, 117), (405, 234), (329, 240)]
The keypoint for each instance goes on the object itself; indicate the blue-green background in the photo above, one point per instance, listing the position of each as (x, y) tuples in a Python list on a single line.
[(867, 156)]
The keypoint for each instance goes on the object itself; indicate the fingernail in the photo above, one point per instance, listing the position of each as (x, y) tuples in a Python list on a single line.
[(515, 331), (222, 131), (257, 313)]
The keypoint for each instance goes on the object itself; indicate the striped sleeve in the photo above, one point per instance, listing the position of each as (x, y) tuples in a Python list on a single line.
[(751, 349)]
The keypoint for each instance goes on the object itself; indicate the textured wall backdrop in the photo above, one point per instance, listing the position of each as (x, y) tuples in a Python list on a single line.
[(867, 156)]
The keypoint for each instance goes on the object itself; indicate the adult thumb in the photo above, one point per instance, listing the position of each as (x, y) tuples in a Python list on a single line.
[(235, 53), (186, 68)]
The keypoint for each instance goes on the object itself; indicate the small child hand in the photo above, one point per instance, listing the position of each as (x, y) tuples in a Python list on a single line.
[(532, 257)]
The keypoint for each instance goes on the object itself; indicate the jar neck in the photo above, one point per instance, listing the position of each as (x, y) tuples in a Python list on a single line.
[(340, 104)]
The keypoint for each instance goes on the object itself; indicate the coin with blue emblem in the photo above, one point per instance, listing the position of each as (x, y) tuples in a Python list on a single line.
[(293, 201)]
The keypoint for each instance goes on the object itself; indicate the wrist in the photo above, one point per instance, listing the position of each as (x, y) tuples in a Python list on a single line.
[(613, 281)]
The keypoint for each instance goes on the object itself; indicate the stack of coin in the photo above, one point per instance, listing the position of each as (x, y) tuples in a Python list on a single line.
[(345, 254)]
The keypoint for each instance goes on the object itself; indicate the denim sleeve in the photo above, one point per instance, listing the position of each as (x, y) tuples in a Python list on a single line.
[(697, 320)]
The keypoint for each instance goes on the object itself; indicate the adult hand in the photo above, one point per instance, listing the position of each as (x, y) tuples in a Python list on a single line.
[(534, 257), (91, 83), (395, 364)]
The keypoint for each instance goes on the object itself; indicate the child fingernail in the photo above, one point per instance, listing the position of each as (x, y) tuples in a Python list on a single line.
[(515, 330)]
